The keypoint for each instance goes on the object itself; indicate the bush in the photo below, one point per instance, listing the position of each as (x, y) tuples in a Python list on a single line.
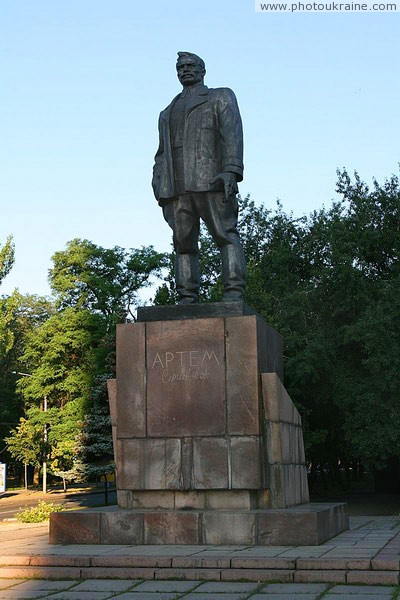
[(39, 513)]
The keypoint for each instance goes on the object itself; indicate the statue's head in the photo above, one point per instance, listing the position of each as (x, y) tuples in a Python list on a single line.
[(190, 68)]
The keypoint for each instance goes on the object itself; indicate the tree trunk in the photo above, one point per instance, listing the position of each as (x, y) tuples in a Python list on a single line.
[(36, 477)]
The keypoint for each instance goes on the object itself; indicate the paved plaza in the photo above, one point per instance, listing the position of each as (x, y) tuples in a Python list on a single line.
[(126, 589), (360, 563)]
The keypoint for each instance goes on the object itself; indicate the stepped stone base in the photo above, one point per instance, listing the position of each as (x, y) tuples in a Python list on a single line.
[(303, 525)]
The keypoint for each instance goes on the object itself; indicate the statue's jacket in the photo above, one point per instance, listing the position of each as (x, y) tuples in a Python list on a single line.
[(213, 143)]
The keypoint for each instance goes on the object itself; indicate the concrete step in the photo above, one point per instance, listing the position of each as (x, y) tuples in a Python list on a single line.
[(217, 568)]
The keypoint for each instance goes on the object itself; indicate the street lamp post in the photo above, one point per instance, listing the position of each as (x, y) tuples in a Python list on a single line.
[(45, 445)]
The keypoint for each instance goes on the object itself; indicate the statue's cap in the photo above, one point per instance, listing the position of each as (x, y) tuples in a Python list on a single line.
[(192, 55)]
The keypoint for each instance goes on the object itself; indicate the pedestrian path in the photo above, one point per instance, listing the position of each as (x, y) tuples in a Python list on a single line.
[(126, 589)]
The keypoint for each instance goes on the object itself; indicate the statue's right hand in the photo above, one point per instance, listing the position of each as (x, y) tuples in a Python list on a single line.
[(230, 184)]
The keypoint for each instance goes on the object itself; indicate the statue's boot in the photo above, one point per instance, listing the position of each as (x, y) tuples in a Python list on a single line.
[(233, 272), (187, 277)]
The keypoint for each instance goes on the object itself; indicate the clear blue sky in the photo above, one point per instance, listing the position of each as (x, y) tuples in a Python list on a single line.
[(83, 81)]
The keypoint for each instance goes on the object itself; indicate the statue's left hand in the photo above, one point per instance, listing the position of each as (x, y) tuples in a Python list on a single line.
[(230, 184)]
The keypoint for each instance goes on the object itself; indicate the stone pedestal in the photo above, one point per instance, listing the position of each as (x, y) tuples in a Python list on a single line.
[(208, 444), (303, 525)]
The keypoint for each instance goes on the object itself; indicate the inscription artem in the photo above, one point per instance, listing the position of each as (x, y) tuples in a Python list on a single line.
[(185, 365)]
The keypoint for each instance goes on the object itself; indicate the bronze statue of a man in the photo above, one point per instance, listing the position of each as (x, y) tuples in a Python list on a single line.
[(197, 166)]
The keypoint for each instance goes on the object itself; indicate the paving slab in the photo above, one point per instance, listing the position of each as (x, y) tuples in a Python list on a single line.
[(117, 573), (361, 590), (44, 585), (211, 552), (268, 551), (71, 595), (216, 596), (14, 595), (349, 596), (294, 588), (348, 553), (8, 583), (149, 596), (287, 596), (170, 550), (82, 550), (308, 552), (105, 585), (167, 586), (226, 587)]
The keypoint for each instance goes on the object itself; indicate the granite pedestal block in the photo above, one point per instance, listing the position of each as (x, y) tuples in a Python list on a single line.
[(208, 445), (305, 525)]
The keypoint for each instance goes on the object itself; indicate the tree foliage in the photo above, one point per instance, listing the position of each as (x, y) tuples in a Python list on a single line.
[(60, 358), (25, 314), (87, 276), (7, 253), (7, 305), (26, 442), (94, 455)]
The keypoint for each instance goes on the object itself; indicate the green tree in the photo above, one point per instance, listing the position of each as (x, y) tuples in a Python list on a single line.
[(101, 280), (60, 357), (64, 426), (94, 456), (26, 313), (26, 441), (367, 391)]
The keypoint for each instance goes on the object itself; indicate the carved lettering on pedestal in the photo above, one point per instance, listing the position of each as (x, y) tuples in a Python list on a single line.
[(185, 378), (185, 365)]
